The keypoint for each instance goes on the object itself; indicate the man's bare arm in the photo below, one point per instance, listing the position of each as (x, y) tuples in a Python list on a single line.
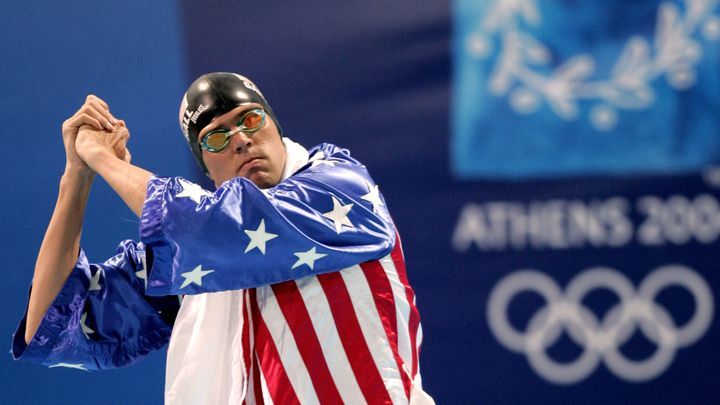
[(98, 150), (60, 246)]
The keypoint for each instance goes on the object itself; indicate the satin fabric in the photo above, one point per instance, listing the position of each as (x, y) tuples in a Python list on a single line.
[(325, 216), (205, 361)]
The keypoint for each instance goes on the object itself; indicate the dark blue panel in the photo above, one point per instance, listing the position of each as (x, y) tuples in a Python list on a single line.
[(375, 78)]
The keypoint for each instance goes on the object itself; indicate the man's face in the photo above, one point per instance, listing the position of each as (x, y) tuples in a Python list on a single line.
[(258, 156)]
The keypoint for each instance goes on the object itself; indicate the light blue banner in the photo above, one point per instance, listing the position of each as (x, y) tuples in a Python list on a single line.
[(551, 88)]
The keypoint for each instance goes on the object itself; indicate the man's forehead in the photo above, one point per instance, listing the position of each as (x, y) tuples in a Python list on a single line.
[(230, 115)]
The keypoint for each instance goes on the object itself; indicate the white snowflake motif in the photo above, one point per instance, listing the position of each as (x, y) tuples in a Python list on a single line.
[(522, 60)]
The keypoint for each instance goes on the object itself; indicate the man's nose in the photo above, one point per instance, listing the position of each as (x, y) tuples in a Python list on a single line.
[(240, 141)]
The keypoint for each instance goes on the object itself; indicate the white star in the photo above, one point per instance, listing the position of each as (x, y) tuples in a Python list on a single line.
[(195, 276), (95, 281), (76, 366), (259, 238), (142, 274), (192, 191), (339, 214), (85, 329), (323, 162), (373, 196), (308, 258), (319, 159)]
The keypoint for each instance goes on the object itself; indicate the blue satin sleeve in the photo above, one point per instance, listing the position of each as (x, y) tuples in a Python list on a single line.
[(327, 216), (101, 318)]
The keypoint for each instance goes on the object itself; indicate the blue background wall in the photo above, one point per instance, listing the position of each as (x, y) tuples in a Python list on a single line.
[(389, 82)]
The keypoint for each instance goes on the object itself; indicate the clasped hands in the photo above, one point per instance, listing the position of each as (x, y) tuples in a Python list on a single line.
[(93, 134)]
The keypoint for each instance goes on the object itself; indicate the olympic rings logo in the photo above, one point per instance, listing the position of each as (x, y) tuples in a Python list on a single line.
[(600, 339)]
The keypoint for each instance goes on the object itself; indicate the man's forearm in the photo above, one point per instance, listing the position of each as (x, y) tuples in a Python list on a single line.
[(60, 246), (128, 181)]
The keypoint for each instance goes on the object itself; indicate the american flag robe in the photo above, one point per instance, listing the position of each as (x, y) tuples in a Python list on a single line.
[(293, 294)]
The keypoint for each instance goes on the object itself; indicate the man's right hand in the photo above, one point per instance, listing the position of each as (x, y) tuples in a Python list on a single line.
[(95, 113)]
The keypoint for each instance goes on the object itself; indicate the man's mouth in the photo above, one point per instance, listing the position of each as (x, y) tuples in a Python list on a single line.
[(248, 163)]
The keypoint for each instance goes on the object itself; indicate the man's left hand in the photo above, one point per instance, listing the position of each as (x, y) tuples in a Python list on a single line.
[(93, 144)]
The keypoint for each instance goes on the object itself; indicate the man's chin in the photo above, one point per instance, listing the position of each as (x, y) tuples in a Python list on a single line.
[(261, 179)]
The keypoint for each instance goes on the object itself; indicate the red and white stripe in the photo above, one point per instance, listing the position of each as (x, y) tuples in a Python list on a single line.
[(351, 336)]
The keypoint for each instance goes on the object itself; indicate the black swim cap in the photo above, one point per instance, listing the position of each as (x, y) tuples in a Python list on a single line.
[(211, 96)]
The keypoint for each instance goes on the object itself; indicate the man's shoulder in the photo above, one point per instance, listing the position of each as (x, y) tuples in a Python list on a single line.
[(328, 149), (330, 152), (332, 165)]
